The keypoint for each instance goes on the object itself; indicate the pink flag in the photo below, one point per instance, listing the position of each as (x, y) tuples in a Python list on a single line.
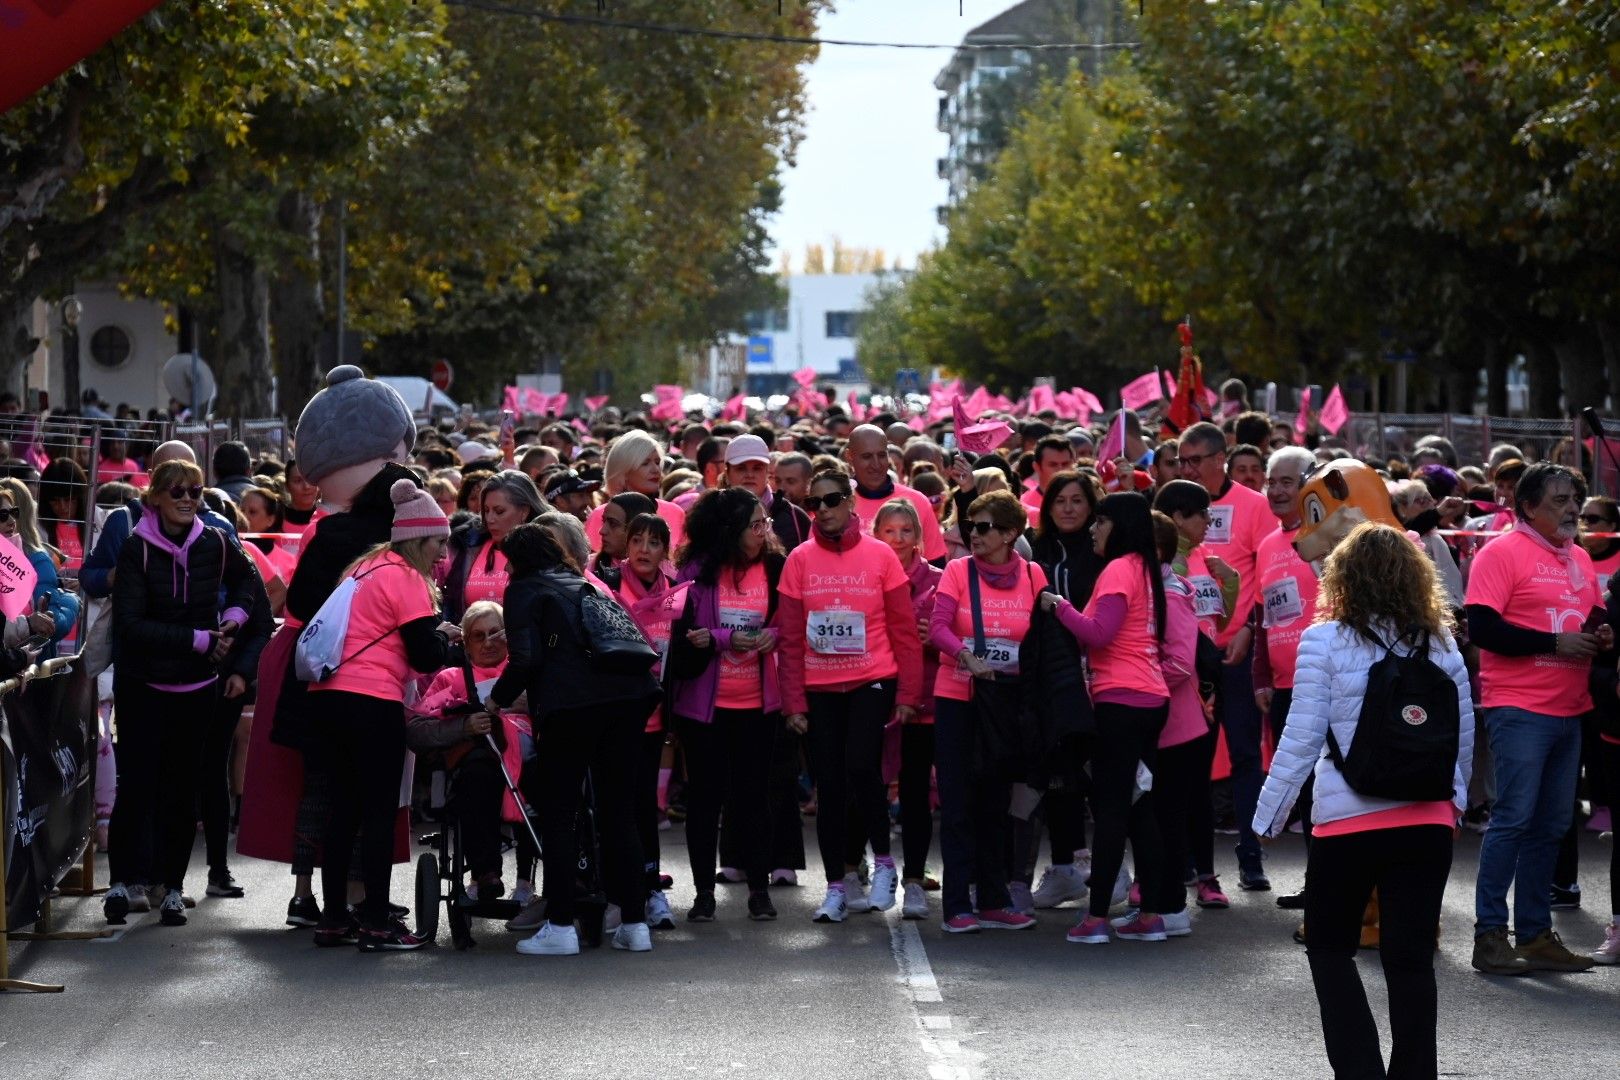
[(1303, 420), (1169, 385), (977, 438), (978, 402), (1042, 399), (594, 404), (559, 404), (510, 400), (666, 392), (915, 423), (805, 377), (999, 403), (1140, 391), (1334, 414), (580, 426), (734, 409), (534, 402), (1086, 399), (1211, 398), (857, 411), (17, 577), (1113, 444)]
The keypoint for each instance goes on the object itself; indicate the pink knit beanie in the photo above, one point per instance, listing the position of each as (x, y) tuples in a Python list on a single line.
[(416, 514)]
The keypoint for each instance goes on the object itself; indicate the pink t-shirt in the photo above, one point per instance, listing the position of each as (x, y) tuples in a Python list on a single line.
[(1238, 521), (389, 595), (1605, 568), (674, 515), (487, 576), (1208, 601), (1288, 602), (933, 538), (1519, 578), (1131, 660), (1396, 817), (1006, 614), (742, 607), (1032, 506), (846, 626)]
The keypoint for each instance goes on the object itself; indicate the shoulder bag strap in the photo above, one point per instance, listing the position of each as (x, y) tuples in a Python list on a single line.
[(978, 614)]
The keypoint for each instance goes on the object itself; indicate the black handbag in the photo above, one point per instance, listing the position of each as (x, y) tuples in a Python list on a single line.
[(998, 708)]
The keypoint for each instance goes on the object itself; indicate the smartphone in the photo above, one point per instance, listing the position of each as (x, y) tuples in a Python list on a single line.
[(949, 442), (508, 424), (36, 641)]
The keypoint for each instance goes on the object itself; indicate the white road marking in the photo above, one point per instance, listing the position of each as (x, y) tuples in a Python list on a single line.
[(946, 1058)]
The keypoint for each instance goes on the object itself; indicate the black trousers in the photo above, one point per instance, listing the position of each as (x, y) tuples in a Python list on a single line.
[(1201, 810), (846, 748), (1408, 867), (604, 741), (1126, 735), (1065, 807), (362, 742), (974, 830), (728, 765), (649, 755), (786, 821), (1177, 773), (916, 798), (1610, 758), (160, 751), (479, 788), (215, 779)]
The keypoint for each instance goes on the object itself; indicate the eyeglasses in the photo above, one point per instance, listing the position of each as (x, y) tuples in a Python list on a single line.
[(758, 525), (9, 512), (831, 502), (1195, 460), (181, 491), (980, 528), (1589, 520)]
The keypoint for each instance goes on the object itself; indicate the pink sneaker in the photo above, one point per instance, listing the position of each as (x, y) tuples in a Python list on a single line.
[(1005, 919), (1210, 895), (1134, 897), (1600, 821), (1143, 928), (962, 924), (1091, 930)]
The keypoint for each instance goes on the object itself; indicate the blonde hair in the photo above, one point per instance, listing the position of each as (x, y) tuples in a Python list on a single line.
[(413, 551), (899, 508), (625, 453), (1376, 575), (479, 610), (27, 515)]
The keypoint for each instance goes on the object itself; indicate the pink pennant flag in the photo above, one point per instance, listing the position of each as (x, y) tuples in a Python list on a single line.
[(805, 377), (558, 404), (999, 403), (978, 402), (1211, 398), (17, 577), (580, 426), (857, 411), (1140, 391), (915, 423), (1303, 420), (1334, 414), (1042, 399), (510, 401), (594, 404), (1113, 444), (1086, 399), (977, 438), (1169, 385), (734, 409), (666, 392), (534, 402)]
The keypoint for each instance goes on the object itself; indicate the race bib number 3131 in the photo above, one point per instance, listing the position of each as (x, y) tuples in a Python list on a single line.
[(836, 633)]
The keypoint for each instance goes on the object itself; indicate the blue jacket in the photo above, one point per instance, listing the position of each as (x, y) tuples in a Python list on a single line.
[(103, 558), (62, 604)]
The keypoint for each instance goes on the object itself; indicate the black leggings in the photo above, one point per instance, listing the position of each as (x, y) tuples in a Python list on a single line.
[(362, 741), (160, 748), (479, 789), (1200, 839), (1065, 806), (215, 779), (916, 798), (786, 823), (1126, 735), (1408, 867), (728, 764), (846, 747), (650, 755), (1176, 775), (1609, 756)]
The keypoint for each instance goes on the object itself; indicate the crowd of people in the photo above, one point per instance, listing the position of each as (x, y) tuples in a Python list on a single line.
[(1118, 658)]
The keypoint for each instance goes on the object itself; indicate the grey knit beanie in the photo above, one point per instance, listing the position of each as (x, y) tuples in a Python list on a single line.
[(354, 419)]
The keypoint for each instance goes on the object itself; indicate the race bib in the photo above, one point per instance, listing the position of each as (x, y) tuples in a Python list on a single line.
[(1208, 603), (836, 633), (747, 619), (1001, 655), (1220, 525), (1283, 605)]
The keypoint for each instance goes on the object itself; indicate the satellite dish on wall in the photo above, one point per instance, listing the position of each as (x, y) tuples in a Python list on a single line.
[(189, 380)]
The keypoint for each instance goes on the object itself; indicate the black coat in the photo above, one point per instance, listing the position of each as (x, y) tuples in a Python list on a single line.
[(1056, 703)]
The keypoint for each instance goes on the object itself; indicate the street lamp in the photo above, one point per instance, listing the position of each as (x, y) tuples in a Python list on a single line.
[(71, 310)]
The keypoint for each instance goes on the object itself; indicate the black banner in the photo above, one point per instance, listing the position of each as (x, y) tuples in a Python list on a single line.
[(47, 786)]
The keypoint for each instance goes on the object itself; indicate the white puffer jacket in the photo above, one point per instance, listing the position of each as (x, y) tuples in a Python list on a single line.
[(1329, 685)]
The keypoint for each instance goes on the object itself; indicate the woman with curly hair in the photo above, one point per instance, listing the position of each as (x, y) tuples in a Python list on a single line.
[(1378, 593)]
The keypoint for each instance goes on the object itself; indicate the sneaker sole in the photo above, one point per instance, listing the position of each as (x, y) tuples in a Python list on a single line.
[(1092, 940), (762, 916), (302, 923), (881, 907), (366, 948), (949, 929), (824, 918), (1008, 926), (662, 924), (914, 914), (1556, 968), (1215, 905), (172, 920), (631, 948), (1255, 886), (549, 952), (1507, 973), (1605, 961)]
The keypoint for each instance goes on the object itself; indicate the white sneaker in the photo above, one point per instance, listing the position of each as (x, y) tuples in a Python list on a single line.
[(1019, 898), (1609, 951), (834, 908), (855, 899), (1082, 865), (884, 880), (1059, 885), (523, 893), (914, 902), (659, 915), (551, 940), (612, 917), (1179, 924), (784, 876), (140, 899), (1122, 888), (632, 937)]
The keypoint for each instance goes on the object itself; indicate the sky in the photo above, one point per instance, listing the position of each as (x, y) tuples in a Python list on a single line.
[(865, 170)]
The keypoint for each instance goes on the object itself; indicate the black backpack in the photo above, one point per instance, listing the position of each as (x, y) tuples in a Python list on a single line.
[(1408, 731), (609, 637)]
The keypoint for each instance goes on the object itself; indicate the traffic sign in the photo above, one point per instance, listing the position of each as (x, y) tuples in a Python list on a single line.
[(442, 375)]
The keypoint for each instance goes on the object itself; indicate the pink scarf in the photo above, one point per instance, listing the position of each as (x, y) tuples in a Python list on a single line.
[(1564, 553)]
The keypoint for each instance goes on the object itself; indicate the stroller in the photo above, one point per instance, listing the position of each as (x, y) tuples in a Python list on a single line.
[(441, 872)]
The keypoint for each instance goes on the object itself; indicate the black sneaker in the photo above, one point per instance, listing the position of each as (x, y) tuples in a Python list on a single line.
[(702, 908), (115, 905), (330, 937), (223, 885), (760, 908), (1253, 879), (303, 911), (1566, 899), (396, 938), (172, 912), (398, 911), (1294, 901)]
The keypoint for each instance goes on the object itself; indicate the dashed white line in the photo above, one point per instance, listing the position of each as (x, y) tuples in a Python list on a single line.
[(946, 1058)]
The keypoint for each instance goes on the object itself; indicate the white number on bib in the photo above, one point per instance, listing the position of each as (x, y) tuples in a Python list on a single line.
[(1208, 603), (837, 633), (1283, 604), (1220, 525)]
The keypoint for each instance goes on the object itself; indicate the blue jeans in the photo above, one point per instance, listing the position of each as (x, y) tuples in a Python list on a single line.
[(1537, 757), (1240, 718)]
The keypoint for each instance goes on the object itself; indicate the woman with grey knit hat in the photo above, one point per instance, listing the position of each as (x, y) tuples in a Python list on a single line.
[(358, 714)]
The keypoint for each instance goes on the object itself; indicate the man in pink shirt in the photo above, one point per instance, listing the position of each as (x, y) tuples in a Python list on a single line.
[(1535, 613), (1053, 454), (1239, 519), (867, 453)]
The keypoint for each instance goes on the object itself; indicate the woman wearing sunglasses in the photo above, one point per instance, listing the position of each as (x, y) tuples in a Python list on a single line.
[(851, 665), (176, 639), (1601, 515), (727, 716), (56, 610)]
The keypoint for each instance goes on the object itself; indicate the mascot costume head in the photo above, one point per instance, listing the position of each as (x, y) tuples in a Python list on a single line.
[(349, 431), (1334, 498)]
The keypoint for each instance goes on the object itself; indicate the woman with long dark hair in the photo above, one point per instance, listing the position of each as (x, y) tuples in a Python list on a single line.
[(727, 716), (1122, 629), (64, 492)]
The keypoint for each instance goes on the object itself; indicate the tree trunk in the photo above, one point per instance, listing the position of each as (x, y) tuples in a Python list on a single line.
[(1496, 366), (17, 342), (1544, 384), (298, 304), (1609, 337), (1581, 367), (243, 367)]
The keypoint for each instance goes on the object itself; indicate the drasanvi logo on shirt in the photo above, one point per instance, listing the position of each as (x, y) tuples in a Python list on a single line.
[(846, 581)]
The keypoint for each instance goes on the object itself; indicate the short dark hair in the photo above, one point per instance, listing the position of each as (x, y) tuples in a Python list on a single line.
[(1252, 427), (1060, 443), (1241, 450), (1206, 434), (530, 548), (648, 523), (709, 450), (845, 482), (1034, 429), (232, 459), (1182, 497), (1535, 480)]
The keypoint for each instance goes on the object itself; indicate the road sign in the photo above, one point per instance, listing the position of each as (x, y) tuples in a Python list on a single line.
[(442, 375)]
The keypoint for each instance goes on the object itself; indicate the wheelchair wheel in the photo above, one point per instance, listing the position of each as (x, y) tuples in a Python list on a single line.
[(460, 928), (427, 896)]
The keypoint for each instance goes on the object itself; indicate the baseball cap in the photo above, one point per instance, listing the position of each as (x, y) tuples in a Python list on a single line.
[(471, 451), (569, 483), (747, 448)]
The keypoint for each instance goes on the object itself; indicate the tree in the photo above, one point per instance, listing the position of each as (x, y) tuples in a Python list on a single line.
[(882, 345)]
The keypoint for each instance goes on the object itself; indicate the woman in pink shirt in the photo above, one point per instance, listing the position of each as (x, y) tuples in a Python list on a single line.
[(1122, 629), (851, 665), (359, 714), (728, 714)]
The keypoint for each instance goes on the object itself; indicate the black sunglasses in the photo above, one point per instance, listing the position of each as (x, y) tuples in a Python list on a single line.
[(1595, 520), (180, 491), (9, 512), (831, 502), (980, 528)]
